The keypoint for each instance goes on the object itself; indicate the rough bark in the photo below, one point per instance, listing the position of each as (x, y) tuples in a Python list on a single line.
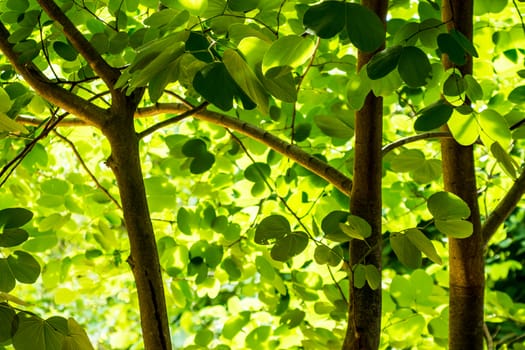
[(144, 258), (466, 260), (364, 313)]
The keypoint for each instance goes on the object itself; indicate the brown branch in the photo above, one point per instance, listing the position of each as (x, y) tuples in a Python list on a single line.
[(86, 168), (409, 139), (295, 153), (50, 91), (107, 73), (504, 208)]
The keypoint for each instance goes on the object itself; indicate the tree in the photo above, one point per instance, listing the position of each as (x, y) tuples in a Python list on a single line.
[(229, 130)]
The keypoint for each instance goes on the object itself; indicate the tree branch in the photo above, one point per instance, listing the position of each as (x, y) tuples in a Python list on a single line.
[(409, 139), (504, 208), (295, 153), (107, 73), (89, 113)]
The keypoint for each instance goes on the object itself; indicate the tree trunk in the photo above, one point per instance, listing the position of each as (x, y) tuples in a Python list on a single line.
[(144, 259), (364, 311), (466, 263)]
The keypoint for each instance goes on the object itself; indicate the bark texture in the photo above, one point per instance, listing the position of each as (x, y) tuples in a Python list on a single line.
[(467, 280), (364, 312)]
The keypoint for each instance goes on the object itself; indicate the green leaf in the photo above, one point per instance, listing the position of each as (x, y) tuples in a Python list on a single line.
[(55, 186), (455, 228), (5, 104), (356, 227), (326, 255), (273, 227), (65, 50), (10, 125), (281, 87), (421, 242), (17, 5), (257, 172), (384, 62), (14, 217), (407, 160), (517, 95), (293, 318), (287, 51), (335, 125), (454, 85), (24, 266), (242, 5), (184, 221), (194, 148), (414, 67), (76, 338), (289, 246), (447, 206), (464, 42), (357, 89), (433, 116), (258, 336), (245, 79), (474, 90), (504, 160), (265, 268), (7, 316), (365, 29), (373, 276), (12, 237), (494, 128), (7, 280), (407, 253), (234, 324), (448, 44), (464, 128), (326, 19), (331, 228), (195, 7), (359, 276), (202, 163), (35, 333), (429, 170)]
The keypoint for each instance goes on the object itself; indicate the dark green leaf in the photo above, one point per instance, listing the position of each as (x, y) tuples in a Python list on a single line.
[(184, 221), (273, 227), (12, 237), (448, 44), (517, 95), (258, 336), (464, 42), (7, 315), (65, 50), (365, 29), (405, 251), (331, 228), (35, 333), (202, 163), (326, 19), (242, 5), (326, 255), (24, 266), (14, 217), (433, 116), (335, 125), (257, 172), (289, 246), (17, 5), (359, 276), (454, 85), (7, 280), (199, 46), (414, 67), (293, 318), (194, 148), (384, 62)]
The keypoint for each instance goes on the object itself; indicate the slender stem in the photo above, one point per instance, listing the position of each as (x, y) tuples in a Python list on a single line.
[(409, 139)]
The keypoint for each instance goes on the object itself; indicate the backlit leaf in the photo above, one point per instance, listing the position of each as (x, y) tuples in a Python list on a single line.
[(273, 227), (335, 125), (517, 95), (289, 246), (494, 128), (356, 227), (24, 266), (504, 160), (35, 333), (421, 242), (407, 253), (433, 116), (464, 128), (373, 276), (447, 206), (287, 51), (455, 228), (407, 160), (326, 255), (331, 228), (10, 125)]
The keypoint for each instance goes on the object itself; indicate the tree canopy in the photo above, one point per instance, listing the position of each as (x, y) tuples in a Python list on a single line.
[(227, 129)]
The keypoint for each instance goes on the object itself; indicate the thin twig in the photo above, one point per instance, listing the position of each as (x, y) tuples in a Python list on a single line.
[(86, 168), (409, 139)]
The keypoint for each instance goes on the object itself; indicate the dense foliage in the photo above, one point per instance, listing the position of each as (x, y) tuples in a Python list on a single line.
[(246, 132)]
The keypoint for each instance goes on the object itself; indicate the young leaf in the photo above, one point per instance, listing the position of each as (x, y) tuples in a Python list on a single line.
[(447, 206), (424, 244), (414, 67), (433, 116), (384, 62), (289, 246), (406, 252), (464, 128), (273, 227), (326, 19), (365, 29)]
